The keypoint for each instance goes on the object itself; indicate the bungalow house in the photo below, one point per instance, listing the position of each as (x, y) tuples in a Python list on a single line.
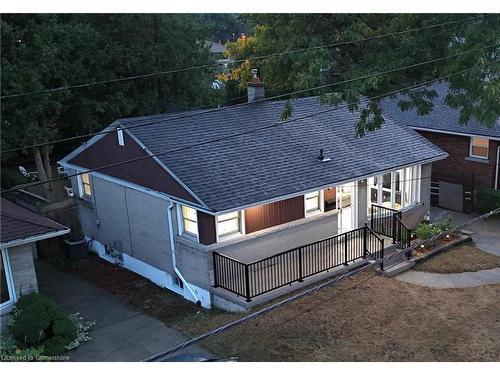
[(21, 229), (474, 151), (237, 216)]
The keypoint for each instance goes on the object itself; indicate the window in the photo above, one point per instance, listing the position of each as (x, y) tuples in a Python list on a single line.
[(177, 282), (228, 224), (479, 147), (312, 202), (190, 220), (6, 289), (84, 185), (395, 190)]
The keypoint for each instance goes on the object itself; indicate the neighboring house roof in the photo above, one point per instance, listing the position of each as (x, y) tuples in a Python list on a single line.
[(20, 224), (442, 118), (215, 47), (279, 161)]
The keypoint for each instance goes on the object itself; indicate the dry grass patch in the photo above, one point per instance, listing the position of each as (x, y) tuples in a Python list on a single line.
[(364, 318), (463, 258), (379, 319)]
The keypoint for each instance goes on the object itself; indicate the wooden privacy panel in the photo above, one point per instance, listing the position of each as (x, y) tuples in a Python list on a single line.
[(271, 214)]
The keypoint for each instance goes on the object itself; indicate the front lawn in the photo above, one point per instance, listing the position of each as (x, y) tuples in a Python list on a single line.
[(364, 318), (463, 258)]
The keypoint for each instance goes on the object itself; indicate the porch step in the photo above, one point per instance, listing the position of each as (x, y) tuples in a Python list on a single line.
[(397, 268)]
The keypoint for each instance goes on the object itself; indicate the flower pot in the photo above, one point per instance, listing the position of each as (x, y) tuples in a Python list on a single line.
[(76, 249)]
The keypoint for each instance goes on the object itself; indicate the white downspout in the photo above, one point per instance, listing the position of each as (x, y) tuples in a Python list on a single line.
[(172, 249), (498, 167)]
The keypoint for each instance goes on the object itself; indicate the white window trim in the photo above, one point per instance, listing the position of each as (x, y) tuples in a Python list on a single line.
[(222, 238), (180, 224), (321, 204), (121, 140), (81, 190), (10, 281), (471, 155), (415, 188)]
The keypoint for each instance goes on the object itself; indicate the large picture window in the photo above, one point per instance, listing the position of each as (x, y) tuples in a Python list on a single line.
[(229, 224), (396, 190), (479, 147), (189, 221)]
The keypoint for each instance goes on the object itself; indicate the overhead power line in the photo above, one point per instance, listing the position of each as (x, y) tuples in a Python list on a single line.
[(286, 301), (256, 58), (261, 128), (202, 112)]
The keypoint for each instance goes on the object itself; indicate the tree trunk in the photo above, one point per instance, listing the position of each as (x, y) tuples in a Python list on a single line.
[(46, 162), (42, 175)]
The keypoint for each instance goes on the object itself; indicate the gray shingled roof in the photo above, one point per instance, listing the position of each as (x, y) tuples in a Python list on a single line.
[(18, 223), (280, 161), (442, 117)]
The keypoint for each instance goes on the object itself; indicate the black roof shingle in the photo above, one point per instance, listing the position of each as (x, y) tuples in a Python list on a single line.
[(279, 161), (441, 118), (20, 223)]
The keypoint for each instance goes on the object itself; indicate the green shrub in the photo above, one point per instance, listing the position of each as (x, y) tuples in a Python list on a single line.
[(487, 199), (37, 321), (425, 231), (444, 225)]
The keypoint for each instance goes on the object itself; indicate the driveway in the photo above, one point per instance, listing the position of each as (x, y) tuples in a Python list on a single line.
[(486, 233), (120, 333)]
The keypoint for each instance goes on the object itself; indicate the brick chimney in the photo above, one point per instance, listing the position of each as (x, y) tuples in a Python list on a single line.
[(255, 88)]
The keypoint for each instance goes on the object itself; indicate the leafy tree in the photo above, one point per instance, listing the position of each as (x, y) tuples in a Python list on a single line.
[(475, 93), (46, 51)]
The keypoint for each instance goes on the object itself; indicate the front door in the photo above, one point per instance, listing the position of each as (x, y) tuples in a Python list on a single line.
[(345, 204)]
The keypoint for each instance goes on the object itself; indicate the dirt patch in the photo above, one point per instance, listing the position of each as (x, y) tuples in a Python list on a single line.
[(464, 258), (134, 289), (364, 318)]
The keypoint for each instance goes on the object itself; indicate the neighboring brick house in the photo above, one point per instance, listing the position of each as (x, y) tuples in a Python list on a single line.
[(21, 229), (473, 149), (244, 199)]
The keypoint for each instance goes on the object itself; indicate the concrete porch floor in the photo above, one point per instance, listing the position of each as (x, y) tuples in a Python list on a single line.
[(268, 244)]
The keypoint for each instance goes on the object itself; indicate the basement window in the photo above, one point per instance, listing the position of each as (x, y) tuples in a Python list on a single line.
[(189, 221), (479, 147), (177, 282)]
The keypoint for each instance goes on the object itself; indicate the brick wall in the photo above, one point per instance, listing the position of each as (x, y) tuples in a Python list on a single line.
[(458, 168)]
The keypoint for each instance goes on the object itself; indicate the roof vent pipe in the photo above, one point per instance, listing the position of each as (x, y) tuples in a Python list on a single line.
[(255, 88), (322, 156)]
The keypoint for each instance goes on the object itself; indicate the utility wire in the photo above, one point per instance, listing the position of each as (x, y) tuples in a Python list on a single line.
[(265, 127), (256, 58), (302, 294), (202, 112)]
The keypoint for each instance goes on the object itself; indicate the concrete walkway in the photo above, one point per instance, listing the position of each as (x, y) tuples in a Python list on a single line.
[(452, 280), (486, 233), (120, 333)]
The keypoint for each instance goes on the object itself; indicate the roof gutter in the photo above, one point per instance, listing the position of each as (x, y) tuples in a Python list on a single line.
[(172, 250), (38, 237), (498, 167)]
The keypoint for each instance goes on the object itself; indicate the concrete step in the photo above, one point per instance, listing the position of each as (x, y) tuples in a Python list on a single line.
[(398, 267)]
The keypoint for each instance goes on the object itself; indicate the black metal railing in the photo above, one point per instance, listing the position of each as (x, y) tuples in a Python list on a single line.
[(402, 234), (389, 222), (253, 279), (382, 220)]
